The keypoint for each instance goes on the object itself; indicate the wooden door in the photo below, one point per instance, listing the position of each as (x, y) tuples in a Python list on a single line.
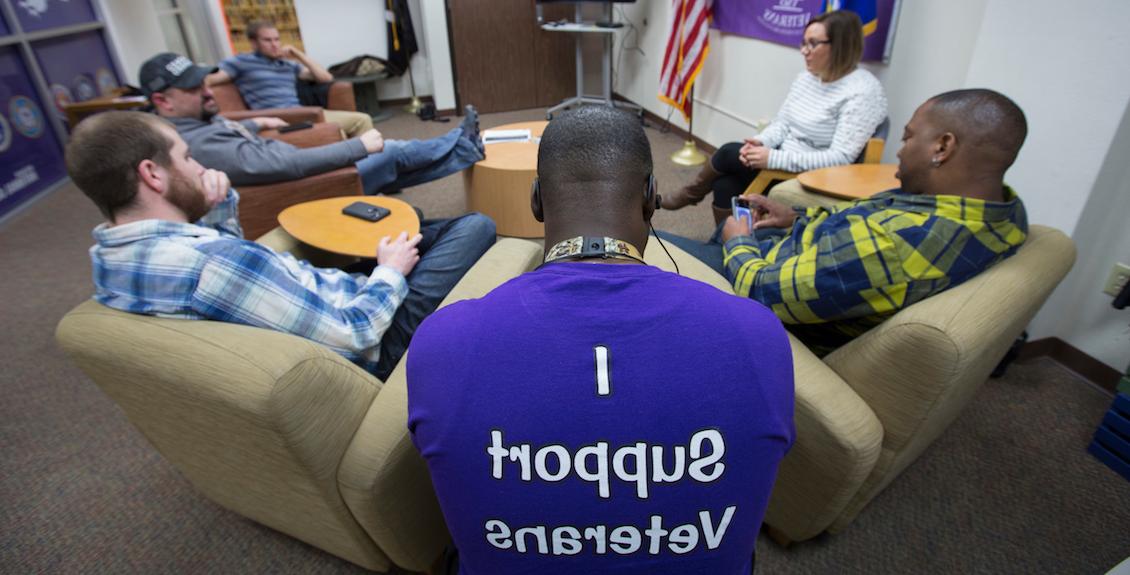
[(503, 60)]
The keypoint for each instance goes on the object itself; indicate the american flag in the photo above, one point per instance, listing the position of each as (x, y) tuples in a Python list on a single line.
[(687, 46)]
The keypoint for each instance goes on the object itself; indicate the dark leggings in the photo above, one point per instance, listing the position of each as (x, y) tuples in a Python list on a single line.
[(734, 178)]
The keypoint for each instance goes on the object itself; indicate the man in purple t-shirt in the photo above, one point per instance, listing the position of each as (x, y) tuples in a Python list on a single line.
[(577, 418)]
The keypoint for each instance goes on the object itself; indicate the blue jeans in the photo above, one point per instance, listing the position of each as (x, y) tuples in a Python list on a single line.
[(448, 249), (406, 163), (710, 253)]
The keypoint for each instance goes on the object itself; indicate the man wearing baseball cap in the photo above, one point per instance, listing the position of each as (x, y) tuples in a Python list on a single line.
[(179, 93)]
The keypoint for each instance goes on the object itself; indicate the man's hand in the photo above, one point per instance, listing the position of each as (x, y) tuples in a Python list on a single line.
[(755, 157), (400, 254), (216, 78), (289, 51), (269, 122), (373, 141), (770, 213), (215, 186), (734, 227)]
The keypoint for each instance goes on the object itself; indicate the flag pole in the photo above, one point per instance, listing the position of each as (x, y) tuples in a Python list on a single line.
[(415, 105), (689, 154)]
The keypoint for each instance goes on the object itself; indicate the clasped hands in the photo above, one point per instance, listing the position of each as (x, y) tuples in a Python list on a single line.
[(767, 214), (754, 155)]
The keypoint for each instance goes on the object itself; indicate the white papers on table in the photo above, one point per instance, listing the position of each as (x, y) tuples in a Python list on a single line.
[(498, 136)]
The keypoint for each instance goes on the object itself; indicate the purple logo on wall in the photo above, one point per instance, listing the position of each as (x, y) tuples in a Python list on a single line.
[(106, 81), (26, 116), (786, 17), (84, 87)]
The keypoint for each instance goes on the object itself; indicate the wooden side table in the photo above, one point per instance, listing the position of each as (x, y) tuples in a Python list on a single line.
[(499, 185), (851, 182), (321, 224), (79, 110)]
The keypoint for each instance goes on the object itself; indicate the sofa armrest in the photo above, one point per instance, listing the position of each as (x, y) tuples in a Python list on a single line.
[(317, 135), (838, 441), (291, 115), (341, 97), (383, 479), (259, 206)]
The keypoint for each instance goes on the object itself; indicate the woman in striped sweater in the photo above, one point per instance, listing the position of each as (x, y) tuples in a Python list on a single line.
[(831, 111)]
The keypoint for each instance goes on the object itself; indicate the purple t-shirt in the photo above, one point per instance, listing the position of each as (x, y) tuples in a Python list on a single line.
[(602, 418)]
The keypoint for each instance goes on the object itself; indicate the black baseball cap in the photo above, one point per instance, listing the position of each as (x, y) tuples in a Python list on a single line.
[(168, 70)]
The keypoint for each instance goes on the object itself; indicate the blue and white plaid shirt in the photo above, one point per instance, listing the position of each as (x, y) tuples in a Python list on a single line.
[(207, 270)]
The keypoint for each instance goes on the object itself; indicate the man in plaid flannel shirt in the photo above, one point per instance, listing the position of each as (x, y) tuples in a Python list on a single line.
[(832, 273), (173, 247)]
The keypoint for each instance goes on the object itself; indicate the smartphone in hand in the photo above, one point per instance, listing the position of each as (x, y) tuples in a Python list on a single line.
[(742, 208), (365, 211)]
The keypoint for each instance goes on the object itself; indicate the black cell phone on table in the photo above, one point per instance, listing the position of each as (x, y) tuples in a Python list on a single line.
[(366, 211), (296, 127)]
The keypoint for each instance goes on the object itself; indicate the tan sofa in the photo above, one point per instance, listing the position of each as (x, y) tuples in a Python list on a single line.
[(277, 428)]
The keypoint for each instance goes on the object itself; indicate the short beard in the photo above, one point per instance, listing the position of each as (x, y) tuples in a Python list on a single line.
[(187, 196)]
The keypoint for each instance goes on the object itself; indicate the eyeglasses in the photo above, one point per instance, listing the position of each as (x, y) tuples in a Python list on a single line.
[(813, 44)]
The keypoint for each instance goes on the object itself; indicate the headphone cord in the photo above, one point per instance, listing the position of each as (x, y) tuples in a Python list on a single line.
[(660, 240)]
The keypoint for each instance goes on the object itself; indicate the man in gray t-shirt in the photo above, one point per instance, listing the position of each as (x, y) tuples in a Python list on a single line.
[(178, 92)]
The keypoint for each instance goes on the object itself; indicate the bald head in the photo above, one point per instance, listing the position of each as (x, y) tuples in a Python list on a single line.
[(987, 123), (594, 166)]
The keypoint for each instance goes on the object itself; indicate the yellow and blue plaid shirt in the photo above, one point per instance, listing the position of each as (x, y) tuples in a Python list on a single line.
[(842, 270)]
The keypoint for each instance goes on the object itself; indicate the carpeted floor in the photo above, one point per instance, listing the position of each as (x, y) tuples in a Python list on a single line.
[(1008, 489)]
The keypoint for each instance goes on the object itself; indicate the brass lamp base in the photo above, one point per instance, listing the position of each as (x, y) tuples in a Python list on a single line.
[(414, 106), (689, 155)]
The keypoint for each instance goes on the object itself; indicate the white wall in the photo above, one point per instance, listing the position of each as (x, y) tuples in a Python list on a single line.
[(1067, 70), (1078, 312), (1064, 65), (433, 20), (135, 33), (334, 31)]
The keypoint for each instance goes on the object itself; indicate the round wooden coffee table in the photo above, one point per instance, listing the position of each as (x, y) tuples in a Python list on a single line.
[(499, 185), (321, 224), (851, 182)]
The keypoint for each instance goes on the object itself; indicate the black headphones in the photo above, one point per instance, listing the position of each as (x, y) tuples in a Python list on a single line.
[(649, 195)]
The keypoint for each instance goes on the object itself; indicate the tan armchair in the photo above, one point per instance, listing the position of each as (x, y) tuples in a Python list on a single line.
[(277, 428), (259, 206), (869, 409)]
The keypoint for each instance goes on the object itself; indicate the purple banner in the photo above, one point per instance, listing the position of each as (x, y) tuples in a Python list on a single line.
[(4, 31), (783, 21), (77, 67), (31, 159), (43, 14)]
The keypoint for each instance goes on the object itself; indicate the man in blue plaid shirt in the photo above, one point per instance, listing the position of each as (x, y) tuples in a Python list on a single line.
[(172, 247), (832, 273)]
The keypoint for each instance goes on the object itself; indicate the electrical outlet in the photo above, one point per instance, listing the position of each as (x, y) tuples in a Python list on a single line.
[(1119, 275)]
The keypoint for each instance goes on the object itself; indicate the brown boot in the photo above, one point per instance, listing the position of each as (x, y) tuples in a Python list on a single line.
[(693, 193), (720, 215)]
